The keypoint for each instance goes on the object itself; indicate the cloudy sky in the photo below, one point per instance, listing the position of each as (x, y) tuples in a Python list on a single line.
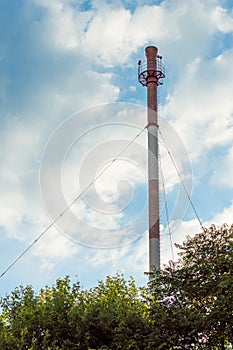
[(70, 102)]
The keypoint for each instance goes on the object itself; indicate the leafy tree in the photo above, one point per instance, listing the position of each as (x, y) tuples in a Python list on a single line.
[(109, 316), (40, 321), (192, 300), (116, 315), (188, 305)]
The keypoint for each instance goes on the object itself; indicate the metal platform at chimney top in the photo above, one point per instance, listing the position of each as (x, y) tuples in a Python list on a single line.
[(144, 73)]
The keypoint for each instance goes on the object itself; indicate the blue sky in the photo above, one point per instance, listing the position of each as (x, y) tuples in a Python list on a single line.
[(64, 64)]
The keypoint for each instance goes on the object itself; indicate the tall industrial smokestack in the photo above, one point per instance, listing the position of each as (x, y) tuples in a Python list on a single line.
[(150, 75)]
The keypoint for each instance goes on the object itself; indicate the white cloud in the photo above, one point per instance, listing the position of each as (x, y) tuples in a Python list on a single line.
[(54, 245), (223, 19), (224, 217), (64, 26), (223, 174), (109, 33), (132, 88), (122, 32), (201, 107), (68, 58), (47, 266), (132, 259), (106, 35), (60, 85)]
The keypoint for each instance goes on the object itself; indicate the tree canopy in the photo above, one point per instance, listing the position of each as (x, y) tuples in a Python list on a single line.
[(187, 305), (192, 300)]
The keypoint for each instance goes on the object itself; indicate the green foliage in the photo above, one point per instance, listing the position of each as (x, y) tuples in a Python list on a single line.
[(116, 315), (192, 300), (110, 316), (187, 305), (39, 321)]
